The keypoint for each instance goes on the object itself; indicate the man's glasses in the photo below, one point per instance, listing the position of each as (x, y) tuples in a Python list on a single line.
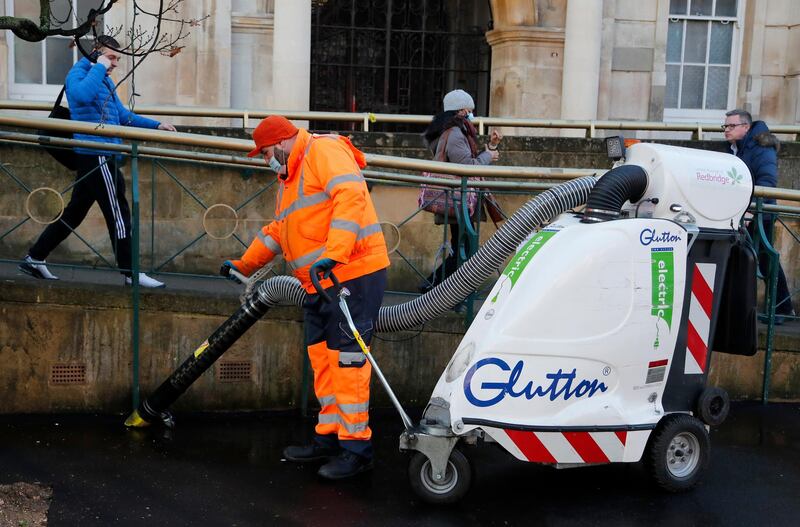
[(732, 126)]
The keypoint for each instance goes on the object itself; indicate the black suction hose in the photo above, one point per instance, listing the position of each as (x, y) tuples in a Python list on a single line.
[(621, 184), (154, 408)]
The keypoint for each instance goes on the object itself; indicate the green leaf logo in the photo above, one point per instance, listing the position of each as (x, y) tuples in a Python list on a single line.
[(735, 176)]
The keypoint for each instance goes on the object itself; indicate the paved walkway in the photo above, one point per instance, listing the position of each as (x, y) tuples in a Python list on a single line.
[(227, 470)]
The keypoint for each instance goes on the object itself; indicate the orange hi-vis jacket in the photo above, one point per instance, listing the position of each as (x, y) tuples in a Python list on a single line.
[(323, 210)]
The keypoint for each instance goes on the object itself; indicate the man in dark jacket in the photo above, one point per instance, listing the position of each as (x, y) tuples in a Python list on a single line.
[(758, 148), (93, 98)]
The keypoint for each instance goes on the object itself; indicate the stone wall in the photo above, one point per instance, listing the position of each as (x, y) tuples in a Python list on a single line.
[(45, 326)]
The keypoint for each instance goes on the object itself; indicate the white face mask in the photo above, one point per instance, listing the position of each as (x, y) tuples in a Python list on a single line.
[(470, 116), (274, 164)]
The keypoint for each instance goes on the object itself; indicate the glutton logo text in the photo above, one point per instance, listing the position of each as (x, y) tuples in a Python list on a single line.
[(648, 236), (507, 382)]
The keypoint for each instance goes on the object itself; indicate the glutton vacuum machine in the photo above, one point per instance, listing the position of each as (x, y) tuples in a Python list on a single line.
[(594, 344)]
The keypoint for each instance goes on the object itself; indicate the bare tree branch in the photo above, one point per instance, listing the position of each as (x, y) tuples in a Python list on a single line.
[(27, 29)]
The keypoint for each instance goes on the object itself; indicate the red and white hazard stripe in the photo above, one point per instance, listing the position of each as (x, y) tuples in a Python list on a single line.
[(699, 325), (564, 447)]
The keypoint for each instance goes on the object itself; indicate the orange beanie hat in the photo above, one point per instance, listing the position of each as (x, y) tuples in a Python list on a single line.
[(271, 131)]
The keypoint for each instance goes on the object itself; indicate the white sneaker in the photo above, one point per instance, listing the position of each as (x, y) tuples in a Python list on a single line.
[(145, 281), (36, 268)]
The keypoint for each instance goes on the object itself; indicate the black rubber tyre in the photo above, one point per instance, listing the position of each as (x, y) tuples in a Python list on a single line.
[(713, 406), (678, 452), (457, 479)]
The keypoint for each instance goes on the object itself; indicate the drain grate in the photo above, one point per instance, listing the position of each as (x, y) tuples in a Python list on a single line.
[(235, 371), (62, 374)]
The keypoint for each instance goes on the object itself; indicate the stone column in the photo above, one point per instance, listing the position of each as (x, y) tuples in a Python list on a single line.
[(291, 56), (251, 59), (582, 47), (526, 62)]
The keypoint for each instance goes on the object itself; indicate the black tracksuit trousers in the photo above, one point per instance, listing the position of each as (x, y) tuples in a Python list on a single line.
[(97, 179)]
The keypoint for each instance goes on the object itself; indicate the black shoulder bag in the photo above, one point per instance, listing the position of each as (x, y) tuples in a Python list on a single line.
[(65, 156)]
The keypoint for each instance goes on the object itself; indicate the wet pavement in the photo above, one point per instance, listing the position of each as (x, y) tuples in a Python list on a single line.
[(227, 470)]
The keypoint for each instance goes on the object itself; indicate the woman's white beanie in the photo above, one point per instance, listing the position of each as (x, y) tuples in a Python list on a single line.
[(458, 100)]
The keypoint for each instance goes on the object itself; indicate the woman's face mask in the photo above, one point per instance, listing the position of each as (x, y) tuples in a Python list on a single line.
[(470, 116)]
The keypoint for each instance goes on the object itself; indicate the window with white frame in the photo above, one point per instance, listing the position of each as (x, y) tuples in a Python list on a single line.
[(702, 57), (37, 69)]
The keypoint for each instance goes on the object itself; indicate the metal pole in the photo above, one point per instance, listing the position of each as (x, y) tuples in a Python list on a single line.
[(771, 293), (135, 271)]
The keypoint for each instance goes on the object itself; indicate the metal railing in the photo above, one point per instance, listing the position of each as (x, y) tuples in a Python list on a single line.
[(365, 119), (159, 155)]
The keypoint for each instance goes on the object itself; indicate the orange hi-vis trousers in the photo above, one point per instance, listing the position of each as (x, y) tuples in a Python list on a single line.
[(341, 370)]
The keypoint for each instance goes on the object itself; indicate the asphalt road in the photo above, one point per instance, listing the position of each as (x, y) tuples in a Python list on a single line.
[(227, 470)]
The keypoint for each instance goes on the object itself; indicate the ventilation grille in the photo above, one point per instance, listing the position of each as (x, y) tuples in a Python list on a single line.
[(63, 374), (235, 371)]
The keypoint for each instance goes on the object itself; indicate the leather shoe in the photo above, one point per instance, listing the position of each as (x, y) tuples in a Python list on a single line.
[(309, 453), (345, 465)]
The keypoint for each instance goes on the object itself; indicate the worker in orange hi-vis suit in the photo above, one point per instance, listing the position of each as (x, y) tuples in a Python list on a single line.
[(326, 222)]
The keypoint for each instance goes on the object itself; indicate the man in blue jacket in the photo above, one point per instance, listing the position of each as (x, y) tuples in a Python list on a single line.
[(92, 98), (758, 148)]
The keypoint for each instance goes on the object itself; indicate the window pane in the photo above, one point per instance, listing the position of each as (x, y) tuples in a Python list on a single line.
[(674, 41), (701, 7), (61, 13), (696, 37), (673, 83), (726, 8), (84, 6), (59, 59), (692, 89), (717, 88), (677, 7), (27, 61), (721, 43), (27, 9)]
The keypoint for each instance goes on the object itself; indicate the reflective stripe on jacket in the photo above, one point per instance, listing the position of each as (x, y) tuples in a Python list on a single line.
[(323, 210)]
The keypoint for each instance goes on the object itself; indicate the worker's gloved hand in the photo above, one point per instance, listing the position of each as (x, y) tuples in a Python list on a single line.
[(323, 266), (225, 270)]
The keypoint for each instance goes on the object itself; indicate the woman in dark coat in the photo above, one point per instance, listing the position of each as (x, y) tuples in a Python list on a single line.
[(461, 147)]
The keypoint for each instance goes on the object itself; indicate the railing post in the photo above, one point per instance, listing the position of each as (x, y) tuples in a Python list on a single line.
[(480, 126), (366, 122), (135, 271), (771, 291), (466, 237)]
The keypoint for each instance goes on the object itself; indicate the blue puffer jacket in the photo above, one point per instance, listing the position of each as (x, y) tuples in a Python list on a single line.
[(759, 151), (93, 99)]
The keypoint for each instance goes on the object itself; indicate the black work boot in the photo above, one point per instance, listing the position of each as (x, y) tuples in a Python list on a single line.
[(308, 453), (345, 465)]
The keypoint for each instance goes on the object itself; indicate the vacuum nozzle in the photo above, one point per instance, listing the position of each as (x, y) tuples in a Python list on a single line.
[(135, 421)]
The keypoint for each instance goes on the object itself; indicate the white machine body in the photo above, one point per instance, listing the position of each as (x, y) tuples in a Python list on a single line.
[(707, 189), (578, 332)]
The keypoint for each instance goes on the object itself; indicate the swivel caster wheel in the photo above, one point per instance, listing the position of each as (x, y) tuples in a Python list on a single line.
[(455, 484)]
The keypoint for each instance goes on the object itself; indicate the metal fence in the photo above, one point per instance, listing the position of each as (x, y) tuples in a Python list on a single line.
[(159, 159), (249, 119)]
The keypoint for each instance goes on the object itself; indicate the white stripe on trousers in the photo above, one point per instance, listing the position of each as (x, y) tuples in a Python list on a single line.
[(111, 190)]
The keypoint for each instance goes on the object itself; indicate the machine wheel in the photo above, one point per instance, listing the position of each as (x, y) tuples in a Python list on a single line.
[(456, 483), (713, 406), (678, 452)]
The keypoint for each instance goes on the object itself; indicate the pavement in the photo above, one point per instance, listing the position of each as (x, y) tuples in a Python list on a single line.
[(227, 470)]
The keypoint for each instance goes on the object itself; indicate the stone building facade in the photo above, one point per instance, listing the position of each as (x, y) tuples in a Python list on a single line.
[(657, 60)]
